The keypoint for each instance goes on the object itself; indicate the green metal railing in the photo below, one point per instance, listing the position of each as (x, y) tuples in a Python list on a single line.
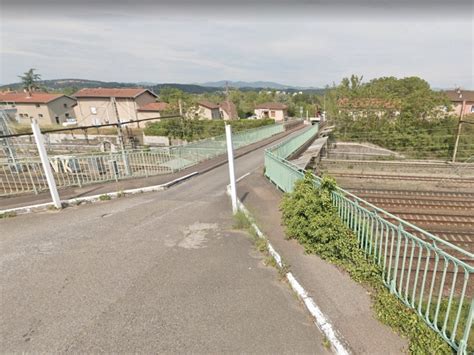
[(27, 175), (428, 274)]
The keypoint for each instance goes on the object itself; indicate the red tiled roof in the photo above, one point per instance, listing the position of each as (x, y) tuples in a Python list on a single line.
[(34, 98), (230, 109), (272, 106), (368, 103), (208, 104), (453, 96), (154, 106), (124, 93)]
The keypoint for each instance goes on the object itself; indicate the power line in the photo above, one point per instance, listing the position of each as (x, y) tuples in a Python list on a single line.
[(89, 127)]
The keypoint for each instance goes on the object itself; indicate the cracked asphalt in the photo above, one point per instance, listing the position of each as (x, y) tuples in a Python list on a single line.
[(162, 272)]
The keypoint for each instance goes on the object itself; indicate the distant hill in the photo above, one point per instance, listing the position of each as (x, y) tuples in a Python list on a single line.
[(77, 84), (248, 84)]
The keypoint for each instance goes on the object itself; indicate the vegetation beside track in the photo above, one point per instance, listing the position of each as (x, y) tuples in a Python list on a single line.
[(310, 217), (404, 115)]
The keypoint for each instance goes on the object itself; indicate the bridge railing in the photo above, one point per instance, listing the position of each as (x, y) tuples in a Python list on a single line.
[(428, 274), (27, 175)]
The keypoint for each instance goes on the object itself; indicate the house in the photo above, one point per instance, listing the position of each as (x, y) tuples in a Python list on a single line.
[(103, 105), (208, 110), (47, 108), (228, 111), (460, 97), (273, 110), (362, 107), (152, 110)]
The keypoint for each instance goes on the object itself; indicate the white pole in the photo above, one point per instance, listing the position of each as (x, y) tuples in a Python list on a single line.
[(45, 162), (230, 156)]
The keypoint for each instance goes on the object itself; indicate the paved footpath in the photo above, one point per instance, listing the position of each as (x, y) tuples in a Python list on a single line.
[(346, 303), (149, 273)]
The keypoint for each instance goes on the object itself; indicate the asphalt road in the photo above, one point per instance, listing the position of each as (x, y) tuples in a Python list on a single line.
[(158, 272)]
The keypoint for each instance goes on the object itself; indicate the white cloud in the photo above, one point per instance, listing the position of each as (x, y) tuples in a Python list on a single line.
[(300, 51)]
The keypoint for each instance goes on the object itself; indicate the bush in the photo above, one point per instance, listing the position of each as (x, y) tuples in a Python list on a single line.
[(310, 217)]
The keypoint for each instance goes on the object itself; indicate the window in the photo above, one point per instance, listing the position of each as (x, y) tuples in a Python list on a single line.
[(67, 115), (94, 110), (57, 119), (40, 115), (65, 105), (37, 105), (272, 113)]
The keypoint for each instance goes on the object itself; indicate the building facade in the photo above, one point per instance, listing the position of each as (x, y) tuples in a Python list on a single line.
[(273, 110), (47, 108), (365, 107), (208, 111), (462, 100), (228, 111), (152, 110), (102, 106)]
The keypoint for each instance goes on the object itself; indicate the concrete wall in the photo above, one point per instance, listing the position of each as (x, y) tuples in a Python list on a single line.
[(149, 114), (156, 140)]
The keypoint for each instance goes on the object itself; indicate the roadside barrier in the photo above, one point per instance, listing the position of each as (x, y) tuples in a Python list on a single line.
[(429, 275), (24, 176)]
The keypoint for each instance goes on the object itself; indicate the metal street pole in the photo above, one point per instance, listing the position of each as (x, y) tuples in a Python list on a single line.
[(230, 156), (45, 162), (120, 137)]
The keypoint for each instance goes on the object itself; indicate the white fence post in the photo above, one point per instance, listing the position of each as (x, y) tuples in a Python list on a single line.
[(45, 162), (230, 156)]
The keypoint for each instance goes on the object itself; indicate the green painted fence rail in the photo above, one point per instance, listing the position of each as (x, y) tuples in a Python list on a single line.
[(26, 176), (427, 273)]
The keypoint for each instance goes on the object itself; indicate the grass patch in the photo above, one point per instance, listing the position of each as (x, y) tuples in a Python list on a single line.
[(104, 197), (9, 214), (326, 343), (310, 217), (241, 221)]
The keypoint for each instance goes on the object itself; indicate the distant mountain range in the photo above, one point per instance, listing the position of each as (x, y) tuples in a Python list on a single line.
[(60, 84), (254, 84)]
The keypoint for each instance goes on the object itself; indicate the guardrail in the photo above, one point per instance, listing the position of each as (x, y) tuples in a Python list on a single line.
[(27, 175), (429, 275)]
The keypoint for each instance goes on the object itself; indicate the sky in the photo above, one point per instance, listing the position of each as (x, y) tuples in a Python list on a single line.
[(299, 42)]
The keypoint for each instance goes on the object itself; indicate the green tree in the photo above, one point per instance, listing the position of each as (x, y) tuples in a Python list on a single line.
[(30, 80)]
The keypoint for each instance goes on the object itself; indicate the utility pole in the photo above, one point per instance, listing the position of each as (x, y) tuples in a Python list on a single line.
[(180, 107), (227, 99), (458, 131), (230, 158), (120, 136), (46, 165)]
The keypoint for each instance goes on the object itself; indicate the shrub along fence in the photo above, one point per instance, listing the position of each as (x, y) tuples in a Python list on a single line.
[(27, 175), (429, 275)]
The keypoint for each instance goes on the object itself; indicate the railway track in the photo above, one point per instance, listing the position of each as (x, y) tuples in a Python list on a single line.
[(448, 215), (444, 195), (403, 177)]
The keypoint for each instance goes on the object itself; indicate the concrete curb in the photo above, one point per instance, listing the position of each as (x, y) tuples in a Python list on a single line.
[(321, 321), (95, 198)]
